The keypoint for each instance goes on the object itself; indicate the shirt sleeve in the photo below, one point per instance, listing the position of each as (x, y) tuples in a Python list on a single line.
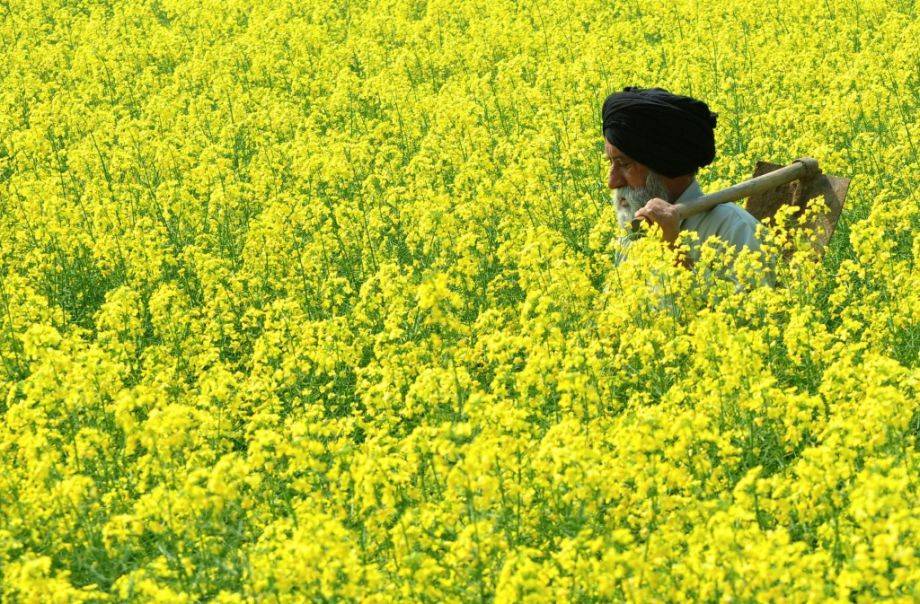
[(743, 233)]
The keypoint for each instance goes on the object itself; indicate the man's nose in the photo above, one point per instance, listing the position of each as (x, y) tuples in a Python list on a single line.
[(615, 180)]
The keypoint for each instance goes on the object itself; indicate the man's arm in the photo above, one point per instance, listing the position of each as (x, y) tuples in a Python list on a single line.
[(665, 215), (683, 259)]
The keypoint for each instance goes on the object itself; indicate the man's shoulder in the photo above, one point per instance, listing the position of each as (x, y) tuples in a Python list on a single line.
[(729, 222), (732, 212), (723, 216)]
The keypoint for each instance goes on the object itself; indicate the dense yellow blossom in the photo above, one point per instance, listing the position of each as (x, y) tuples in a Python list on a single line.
[(320, 301)]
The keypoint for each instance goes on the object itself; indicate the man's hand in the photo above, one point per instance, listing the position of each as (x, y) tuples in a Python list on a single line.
[(663, 214)]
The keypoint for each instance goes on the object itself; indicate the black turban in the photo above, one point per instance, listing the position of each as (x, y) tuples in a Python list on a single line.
[(669, 133)]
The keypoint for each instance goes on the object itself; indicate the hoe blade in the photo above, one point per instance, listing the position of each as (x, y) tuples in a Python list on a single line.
[(833, 189)]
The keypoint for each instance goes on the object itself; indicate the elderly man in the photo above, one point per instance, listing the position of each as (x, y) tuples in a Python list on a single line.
[(656, 142)]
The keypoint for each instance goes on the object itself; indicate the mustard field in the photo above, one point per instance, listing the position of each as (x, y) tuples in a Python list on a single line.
[(320, 301)]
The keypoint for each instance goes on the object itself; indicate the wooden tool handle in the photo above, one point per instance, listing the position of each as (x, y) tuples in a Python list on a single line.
[(804, 167)]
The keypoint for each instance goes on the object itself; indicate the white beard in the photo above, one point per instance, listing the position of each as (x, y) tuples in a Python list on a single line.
[(626, 205), (628, 200)]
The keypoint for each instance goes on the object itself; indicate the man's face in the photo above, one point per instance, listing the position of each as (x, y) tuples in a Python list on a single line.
[(633, 184), (624, 171)]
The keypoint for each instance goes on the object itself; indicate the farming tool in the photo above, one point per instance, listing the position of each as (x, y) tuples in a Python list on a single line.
[(773, 186)]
